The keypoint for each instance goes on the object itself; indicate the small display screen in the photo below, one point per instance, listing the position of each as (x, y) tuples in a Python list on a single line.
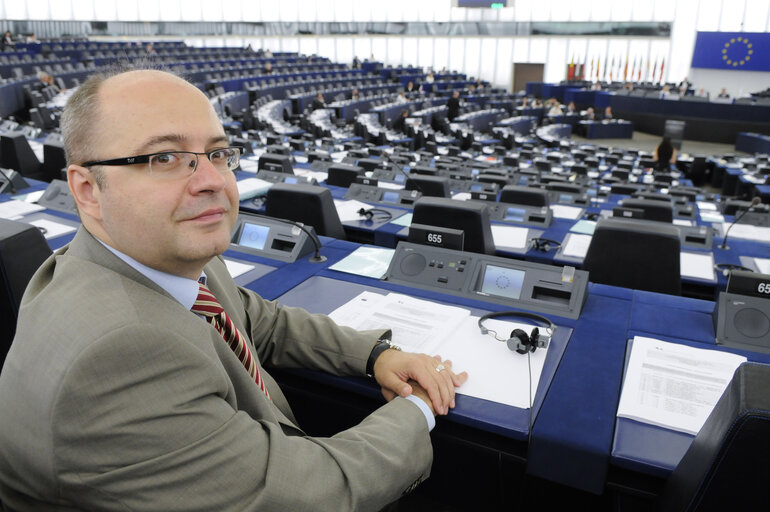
[(390, 197), (399, 178), (477, 187), (515, 214), (502, 282), (290, 180), (591, 192), (254, 236), (565, 198)]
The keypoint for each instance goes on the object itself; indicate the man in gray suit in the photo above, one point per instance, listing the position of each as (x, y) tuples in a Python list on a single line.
[(116, 396)]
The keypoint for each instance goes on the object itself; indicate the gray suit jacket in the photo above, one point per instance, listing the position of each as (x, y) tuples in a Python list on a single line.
[(115, 397)]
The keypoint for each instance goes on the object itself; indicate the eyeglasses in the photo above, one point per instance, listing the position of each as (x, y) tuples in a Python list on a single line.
[(169, 165)]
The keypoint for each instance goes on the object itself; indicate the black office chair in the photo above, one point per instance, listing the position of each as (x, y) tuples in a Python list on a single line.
[(528, 196), (432, 186), (16, 154), (726, 466), (309, 204), (275, 162), (22, 249), (470, 217), (635, 254), (653, 210), (342, 175), (54, 159), (501, 181)]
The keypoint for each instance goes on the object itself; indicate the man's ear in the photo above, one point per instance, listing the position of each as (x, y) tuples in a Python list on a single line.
[(85, 191)]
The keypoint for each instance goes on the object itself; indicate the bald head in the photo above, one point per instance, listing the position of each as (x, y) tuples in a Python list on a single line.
[(82, 122)]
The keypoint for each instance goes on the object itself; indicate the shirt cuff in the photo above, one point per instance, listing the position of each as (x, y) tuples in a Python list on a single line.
[(419, 402)]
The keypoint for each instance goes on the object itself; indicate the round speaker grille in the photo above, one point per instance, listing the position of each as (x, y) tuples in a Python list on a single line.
[(751, 322), (413, 264)]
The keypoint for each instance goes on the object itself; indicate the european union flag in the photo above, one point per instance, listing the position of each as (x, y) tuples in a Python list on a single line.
[(747, 51)]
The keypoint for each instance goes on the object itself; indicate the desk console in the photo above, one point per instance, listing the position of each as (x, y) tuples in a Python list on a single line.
[(271, 238), (520, 214), (282, 177), (517, 284), (57, 197), (371, 194)]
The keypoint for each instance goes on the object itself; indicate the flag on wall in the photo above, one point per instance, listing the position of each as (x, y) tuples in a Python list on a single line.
[(662, 65), (625, 70), (747, 51), (651, 76)]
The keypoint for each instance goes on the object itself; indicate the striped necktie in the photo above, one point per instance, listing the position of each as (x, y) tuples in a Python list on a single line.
[(208, 306)]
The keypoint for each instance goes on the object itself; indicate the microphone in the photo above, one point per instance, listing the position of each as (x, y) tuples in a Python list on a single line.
[(754, 202), (317, 257)]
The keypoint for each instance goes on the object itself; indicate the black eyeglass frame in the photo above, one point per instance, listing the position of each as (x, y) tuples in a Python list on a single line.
[(145, 159)]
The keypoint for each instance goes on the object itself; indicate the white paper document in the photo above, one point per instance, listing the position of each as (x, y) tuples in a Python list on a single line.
[(699, 265), (14, 209), (52, 229), (366, 261), (709, 216), (682, 222), (509, 236), (763, 265), (747, 232), (674, 386), (418, 325), (566, 212), (705, 206), (252, 187), (495, 373), (576, 245), (348, 210), (236, 268)]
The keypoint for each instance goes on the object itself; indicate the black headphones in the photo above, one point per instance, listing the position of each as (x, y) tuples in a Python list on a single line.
[(369, 214), (519, 341), (544, 244)]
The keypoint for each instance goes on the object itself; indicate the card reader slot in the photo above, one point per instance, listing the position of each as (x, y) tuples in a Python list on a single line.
[(282, 245), (550, 295)]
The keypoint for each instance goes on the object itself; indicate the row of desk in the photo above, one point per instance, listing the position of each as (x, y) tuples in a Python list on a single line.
[(575, 441)]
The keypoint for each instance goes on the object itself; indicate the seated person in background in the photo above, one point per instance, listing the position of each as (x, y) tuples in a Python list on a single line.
[(136, 378), (400, 123), (479, 84), (589, 114), (46, 80), (607, 113), (453, 106), (537, 103), (354, 94), (401, 98), (268, 69), (7, 42), (684, 86), (430, 78), (410, 88), (318, 102), (723, 93), (356, 63), (703, 93), (268, 54), (150, 49), (596, 86), (571, 109), (665, 154), (555, 109)]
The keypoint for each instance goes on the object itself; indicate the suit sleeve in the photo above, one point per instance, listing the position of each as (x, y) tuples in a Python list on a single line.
[(291, 337), (147, 420)]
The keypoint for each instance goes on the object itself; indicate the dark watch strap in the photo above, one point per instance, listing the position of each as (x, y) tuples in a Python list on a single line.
[(380, 347)]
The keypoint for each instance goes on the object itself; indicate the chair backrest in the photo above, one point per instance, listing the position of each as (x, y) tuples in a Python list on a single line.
[(653, 210), (22, 250), (726, 466), (342, 175), (310, 204), (635, 254), (16, 154), (528, 196), (433, 186), (469, 216)]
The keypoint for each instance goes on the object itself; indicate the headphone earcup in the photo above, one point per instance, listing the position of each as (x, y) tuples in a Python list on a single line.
[(519, 342)]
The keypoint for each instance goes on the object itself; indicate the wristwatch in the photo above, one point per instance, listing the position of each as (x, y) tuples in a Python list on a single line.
[(381, 346)]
